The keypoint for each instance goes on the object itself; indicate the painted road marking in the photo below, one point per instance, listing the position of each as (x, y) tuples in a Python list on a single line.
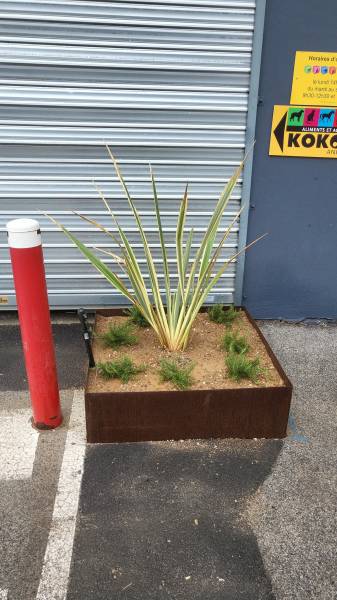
[(293, 432), (3, 594), (56, 565), (18, 442)]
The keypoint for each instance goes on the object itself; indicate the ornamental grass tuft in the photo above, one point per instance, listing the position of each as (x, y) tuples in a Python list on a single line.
[(119, 334), (179, 375), (122, 368), (218, 314), (241, 367), (233, 342), (136, 316)]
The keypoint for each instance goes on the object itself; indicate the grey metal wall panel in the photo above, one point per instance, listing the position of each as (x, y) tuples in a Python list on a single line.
[(160, 82)]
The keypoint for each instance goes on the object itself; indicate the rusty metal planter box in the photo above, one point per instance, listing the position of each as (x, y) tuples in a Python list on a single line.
[(175, 415)]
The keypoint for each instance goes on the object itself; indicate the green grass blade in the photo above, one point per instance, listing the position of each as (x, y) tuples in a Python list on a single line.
[(203, 253), (206, 275), (96, 262), (98, 225), (151, 267), (199, 299), (177, 302), (163, 247), (187, 251), (179, 244), (229, 261), (140, 298), (133, 270)]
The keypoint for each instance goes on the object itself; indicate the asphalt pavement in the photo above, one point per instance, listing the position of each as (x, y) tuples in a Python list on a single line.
[(229, 519)]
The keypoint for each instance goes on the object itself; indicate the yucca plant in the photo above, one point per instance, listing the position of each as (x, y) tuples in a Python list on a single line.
[(196, 278)]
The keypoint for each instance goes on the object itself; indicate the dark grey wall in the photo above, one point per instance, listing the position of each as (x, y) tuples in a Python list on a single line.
[(293, 272)]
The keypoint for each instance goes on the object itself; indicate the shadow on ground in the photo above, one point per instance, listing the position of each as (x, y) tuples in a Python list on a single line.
[(70, 357), (164, 520)]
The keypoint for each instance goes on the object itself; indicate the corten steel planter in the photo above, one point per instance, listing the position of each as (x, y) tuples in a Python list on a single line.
[(250, 412)]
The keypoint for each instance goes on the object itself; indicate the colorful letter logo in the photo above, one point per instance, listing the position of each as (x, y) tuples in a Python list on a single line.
[(332, 70), (315, 69), (324, 70), (307, 69)]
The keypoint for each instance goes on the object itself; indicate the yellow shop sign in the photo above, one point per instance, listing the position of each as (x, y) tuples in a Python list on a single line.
[(306, 131), (315, 79)]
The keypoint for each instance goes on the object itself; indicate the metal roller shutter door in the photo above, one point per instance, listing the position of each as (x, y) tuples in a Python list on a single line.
[(160, 82)]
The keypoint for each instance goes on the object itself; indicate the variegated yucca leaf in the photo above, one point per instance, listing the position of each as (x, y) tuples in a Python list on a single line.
[(172, 315)]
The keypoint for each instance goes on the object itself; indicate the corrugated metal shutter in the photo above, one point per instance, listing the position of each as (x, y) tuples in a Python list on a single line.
[(162, 82)]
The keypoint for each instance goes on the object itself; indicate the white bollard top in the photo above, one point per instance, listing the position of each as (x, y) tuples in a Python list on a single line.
[(23, 233)]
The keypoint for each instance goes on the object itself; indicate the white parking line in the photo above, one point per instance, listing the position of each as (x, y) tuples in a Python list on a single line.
[(56, 565), (18, 442)]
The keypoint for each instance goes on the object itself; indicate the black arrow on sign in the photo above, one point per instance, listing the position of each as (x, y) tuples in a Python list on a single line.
[(280, 129)]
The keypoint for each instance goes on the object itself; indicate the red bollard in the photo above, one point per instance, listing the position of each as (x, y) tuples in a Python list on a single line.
[(24, 240)]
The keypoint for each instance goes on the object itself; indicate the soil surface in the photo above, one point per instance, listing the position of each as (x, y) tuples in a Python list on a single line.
[(203, 351)]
